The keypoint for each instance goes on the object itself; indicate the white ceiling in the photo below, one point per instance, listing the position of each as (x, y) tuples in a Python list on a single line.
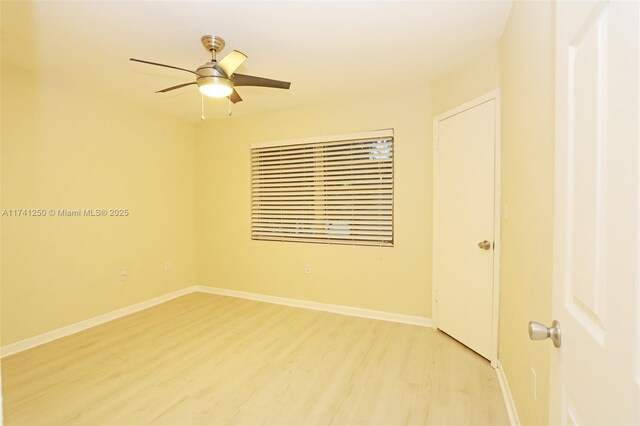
[(327, 49)]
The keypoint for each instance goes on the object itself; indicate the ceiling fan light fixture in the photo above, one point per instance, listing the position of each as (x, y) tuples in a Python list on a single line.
[(215, 87)]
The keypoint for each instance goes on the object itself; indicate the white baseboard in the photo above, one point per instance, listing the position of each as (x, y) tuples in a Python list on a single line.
[(508, 398), (88, 323), (49, 336), (317, 306)]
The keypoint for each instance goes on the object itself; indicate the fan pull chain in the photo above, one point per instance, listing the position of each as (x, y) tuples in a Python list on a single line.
[(229, 97), (201, 106)]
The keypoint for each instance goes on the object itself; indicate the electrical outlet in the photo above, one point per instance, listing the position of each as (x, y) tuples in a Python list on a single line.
[(534, 383), (168, 265), (307, 268), (123, 275)]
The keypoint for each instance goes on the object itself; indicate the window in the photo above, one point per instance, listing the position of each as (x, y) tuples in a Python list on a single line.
[(337, 191)]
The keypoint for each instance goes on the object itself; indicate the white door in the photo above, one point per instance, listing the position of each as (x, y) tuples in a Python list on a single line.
[(464, 224), (596, 371)]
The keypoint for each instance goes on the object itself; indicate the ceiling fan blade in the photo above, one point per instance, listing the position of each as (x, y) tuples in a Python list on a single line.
[(231, 62), (250, 80), (162, 65), (168, 89), (235, 97)]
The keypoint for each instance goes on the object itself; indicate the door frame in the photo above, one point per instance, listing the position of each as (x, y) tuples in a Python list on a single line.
[(495, 96)]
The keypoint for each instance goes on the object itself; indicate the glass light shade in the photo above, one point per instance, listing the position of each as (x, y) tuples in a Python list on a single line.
[(215, 87)]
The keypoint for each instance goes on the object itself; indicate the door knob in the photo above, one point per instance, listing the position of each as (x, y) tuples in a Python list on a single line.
[(484, 245), (539, 331)]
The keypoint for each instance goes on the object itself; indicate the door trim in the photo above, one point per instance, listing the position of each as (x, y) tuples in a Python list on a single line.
[(509, 402), (493, 95)]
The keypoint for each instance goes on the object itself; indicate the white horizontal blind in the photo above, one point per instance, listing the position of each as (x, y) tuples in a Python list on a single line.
[(338, 192)]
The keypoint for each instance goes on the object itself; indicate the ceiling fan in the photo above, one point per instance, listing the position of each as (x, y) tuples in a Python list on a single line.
[(218, 79)]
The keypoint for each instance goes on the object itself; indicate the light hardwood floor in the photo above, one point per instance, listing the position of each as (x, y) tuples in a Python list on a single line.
[(206, 359)]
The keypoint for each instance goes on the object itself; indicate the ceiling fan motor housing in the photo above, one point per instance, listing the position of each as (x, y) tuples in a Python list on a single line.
[(208, 70)]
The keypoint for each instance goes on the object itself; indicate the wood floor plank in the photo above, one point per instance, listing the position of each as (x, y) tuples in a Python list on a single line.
[(206, 360)]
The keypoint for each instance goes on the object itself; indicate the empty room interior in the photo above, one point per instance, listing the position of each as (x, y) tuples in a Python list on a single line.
[(323, 212)]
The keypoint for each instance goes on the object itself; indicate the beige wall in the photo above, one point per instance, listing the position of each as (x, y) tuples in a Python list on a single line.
[(527, 80), (394, 279), (66, 147), (1, 206), (475, 78)]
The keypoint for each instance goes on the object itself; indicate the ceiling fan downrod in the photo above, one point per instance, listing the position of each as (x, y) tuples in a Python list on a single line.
[(212, 44)]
